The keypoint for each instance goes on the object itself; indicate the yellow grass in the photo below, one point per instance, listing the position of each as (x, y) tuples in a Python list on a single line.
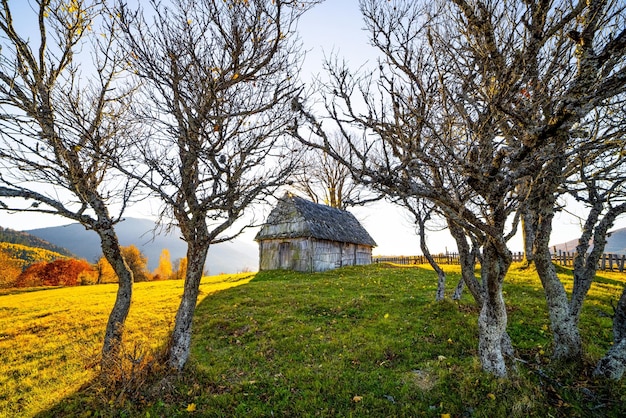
[(49, 339)]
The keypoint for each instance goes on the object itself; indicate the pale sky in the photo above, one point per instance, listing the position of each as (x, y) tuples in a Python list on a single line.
[(335, 26)]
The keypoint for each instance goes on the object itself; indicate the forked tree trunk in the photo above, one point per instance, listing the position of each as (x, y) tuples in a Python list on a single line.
[(613, 364), (528, 236), (180, 341), (117, 318), (585, 261), (567, 340), (493, 342), (441, 275), (467, 258)]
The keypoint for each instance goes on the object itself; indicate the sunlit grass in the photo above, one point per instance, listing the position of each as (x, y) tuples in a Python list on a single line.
[(358, 341), (50, 339)]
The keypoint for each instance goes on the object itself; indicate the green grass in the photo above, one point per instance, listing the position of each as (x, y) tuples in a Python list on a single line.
[(364, 341)]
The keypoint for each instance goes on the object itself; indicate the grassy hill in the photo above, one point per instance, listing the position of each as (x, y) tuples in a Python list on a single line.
[(28, 255), (50, 339), (360, 341), (23, 238)]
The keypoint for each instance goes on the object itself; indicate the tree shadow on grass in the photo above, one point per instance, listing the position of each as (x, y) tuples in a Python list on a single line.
[(360, 341)]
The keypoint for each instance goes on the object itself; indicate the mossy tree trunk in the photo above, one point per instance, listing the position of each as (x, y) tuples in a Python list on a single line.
[(492, 320), (117, 318), (613, 364), (180, 341), (566, 335), (467, 258)]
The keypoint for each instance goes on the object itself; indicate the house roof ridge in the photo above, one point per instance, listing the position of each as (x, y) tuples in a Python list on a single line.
[(320, 222)]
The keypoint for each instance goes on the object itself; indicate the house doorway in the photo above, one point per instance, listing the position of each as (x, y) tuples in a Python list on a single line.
[(284, 255)]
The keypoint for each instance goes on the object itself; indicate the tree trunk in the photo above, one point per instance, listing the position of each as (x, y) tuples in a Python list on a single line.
[(441, 275), (492, 321), (458, 290), (541, 205), (586, 263), (613, 364), (441, 284), (567, 340), (528, 235), (115, 325), (467, 258), (180, 341)]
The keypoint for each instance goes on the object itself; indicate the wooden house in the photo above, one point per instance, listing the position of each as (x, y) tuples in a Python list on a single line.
[(305, 236)]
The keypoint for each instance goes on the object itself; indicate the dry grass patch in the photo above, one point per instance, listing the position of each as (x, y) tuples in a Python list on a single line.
[(50, 339)]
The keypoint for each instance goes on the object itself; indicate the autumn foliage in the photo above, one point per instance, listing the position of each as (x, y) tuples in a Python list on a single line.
[(61, 272), (164, 271), (46, 271), (10, 269), (135, 259)]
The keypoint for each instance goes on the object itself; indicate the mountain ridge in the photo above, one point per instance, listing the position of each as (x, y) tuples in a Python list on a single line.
[(616, 243), (228, 257), (12, 236)]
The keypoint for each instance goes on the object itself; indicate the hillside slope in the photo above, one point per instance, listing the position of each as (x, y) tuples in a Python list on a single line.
[(228, 257), (24, 238), (367, 341), (616, 243), (28, 255)]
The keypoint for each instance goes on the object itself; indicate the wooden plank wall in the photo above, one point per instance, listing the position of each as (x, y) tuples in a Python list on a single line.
[(304, 254)]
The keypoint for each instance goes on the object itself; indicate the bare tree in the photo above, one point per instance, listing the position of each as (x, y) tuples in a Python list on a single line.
[(415, 143), (62, 126), (580, 65), (422, 212), (598, 181), (325, 180), (537, 71), (469, 255), (486, 92), (219, 81)]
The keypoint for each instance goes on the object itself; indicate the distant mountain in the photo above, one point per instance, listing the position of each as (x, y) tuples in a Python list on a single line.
[(24, 238), (616, 243), (227, 257)]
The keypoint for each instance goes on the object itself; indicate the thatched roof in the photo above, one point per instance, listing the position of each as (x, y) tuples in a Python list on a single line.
[(294, 217)]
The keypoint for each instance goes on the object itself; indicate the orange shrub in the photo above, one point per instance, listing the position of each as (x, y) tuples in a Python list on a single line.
[(61, 272)]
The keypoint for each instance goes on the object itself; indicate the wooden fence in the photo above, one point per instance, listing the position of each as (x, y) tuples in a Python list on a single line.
[(608, 262)]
